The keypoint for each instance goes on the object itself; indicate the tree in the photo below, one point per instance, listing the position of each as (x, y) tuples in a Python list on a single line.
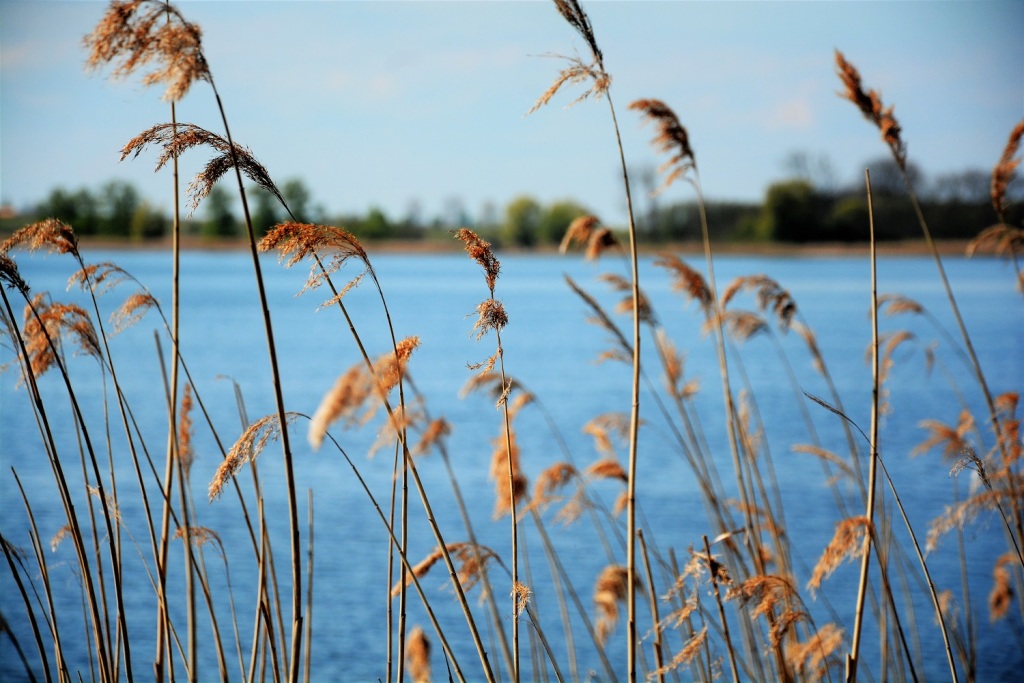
[(220, 221), (147, 223), (77, 209), (375, 226), (522, 218), (266, 210), (119, 202), (792, 212), (297, 196)]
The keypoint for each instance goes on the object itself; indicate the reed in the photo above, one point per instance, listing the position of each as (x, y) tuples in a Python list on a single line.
[(120, 602)]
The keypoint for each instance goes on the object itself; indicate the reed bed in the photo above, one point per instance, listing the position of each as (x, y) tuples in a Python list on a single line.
[(142, 588)]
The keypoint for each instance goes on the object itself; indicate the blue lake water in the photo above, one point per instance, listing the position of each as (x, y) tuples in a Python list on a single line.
[(551, 349)]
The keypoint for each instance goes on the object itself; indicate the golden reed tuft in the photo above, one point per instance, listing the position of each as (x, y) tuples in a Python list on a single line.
[(870, 104), (178, 138), (135, 33), (609, 591), (248, 447), (584, 231), (1003, 172), (671, 138), (50, 234), (846, 544), (417, 655)]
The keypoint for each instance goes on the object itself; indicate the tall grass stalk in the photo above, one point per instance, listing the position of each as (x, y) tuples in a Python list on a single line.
[(852, 658)]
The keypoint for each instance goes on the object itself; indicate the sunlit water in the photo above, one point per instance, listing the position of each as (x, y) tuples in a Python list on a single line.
[(551, 350)]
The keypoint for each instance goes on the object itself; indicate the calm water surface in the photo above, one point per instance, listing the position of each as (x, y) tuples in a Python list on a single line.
[(551, 350)]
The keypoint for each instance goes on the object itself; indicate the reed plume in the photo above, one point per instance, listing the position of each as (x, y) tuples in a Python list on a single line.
[(847, 544), (870, 104), (609, 591), (587, 231), (246, 449), (417, 655), (134, 33), (671, 138), (177, 138), (1004, 171)]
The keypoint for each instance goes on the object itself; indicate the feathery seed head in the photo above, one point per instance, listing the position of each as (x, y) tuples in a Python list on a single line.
[(53, 235), (1003, 172), (134, 33), (671, 138), (870, 104)]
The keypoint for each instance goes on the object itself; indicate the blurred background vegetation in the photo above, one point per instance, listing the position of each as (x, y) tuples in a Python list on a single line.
[(808, 205)]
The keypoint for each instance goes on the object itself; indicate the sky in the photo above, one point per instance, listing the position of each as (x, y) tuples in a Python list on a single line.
[(419, 106)]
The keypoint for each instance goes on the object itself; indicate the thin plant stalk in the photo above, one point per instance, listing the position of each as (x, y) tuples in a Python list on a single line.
[(852, 659)]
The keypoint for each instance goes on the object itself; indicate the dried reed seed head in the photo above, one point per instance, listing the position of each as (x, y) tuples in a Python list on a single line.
[(578, 19), (766, 592), (472, 562), (847, 544), (134, 33), (99, 278), (177, 138), (185, 453), (687, 280), (521, 593), (345, 398), (812, 658), (783, 623), (480, 251), (770, 295), (10, 276), (621, 284), (247, 448), (434, 433), (47, 324), (870, 104), (954, 439), (1003, 172), (59, 537), (1001, 597), (600, 241), (684, 657), (552, 479), (51, 234), (897, 304), (1001, 239), (610, 589), (671, 138), (491, 315), (606, 426), (741, 324), (578, 232), (389, 369), (132, 311), (607, 469), (503, 499), (826, 456), (200, 535), (417, 655)]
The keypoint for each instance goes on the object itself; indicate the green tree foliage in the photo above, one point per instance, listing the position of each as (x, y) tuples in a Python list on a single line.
[(78, 209), (266, 210), (220, 220), (297, 195), (119, 200), (375, 226), (792, 212), (522, 222), (148, 223)]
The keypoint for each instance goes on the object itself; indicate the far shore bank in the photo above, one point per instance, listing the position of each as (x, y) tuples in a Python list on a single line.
[(431, 246)]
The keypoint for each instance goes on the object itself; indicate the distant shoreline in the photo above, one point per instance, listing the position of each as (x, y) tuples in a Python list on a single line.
[(901, 248)]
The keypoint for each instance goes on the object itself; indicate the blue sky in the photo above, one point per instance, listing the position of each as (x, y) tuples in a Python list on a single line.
[(389, 103)]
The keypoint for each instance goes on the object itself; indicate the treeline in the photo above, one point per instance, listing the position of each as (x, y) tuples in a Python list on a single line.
[(808, 206)]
